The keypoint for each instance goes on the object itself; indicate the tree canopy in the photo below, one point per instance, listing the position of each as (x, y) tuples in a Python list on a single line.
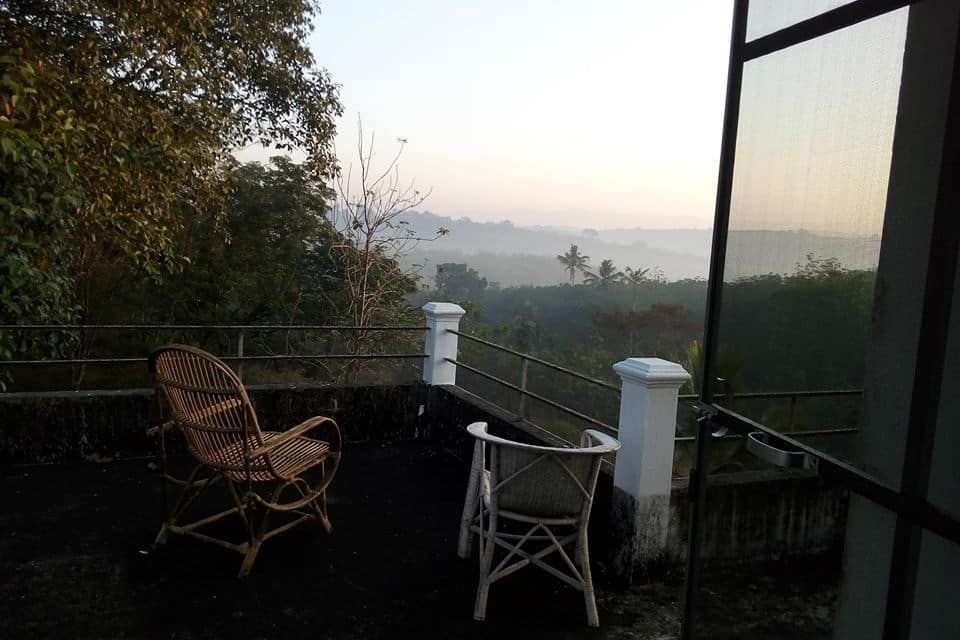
[(117, 124)]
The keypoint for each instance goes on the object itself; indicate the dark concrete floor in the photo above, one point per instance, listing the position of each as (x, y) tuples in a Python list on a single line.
[(76, 562)]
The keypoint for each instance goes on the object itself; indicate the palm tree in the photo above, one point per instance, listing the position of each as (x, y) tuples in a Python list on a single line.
[(606, 275), (635, 278), (574, 261)]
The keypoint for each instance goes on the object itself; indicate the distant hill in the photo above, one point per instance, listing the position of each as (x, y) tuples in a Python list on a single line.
[(752, 253), (689, 241), (513, 256), (531, 252)]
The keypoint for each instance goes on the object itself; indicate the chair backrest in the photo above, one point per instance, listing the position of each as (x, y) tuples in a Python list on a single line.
[(209, 404), (544, 482)]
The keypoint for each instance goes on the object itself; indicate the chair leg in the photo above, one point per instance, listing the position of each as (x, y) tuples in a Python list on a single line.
[(470, 502), (486, 561), (583, 559), (251, 556), (187, 495), (161, 538), (319, 508), (254, 544)]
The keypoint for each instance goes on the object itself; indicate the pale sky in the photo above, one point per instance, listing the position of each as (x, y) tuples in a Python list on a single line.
[(590, 114), (608, 114)]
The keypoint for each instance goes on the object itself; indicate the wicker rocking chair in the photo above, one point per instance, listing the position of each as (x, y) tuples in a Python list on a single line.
[(265, 472), (540, 489)]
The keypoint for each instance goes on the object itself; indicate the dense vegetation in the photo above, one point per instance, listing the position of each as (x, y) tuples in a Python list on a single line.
[(121, 201), (117, 124), (274, 259), (803, 331)]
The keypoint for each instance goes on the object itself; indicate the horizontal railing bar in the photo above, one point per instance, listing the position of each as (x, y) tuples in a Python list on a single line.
[(549, 365), (147, 391), (613, 387), (535, 396), (794, 434), (549, 436), (332, 356), (759, 395), (328, 356), (219, 327)]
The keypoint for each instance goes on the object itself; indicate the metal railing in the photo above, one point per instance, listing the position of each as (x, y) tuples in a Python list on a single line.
[(526, 357), (523, 392), (794, 397), (242, 330)]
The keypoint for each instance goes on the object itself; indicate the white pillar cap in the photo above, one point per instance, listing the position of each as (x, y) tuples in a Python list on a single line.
[(651, 372), (443, 310)]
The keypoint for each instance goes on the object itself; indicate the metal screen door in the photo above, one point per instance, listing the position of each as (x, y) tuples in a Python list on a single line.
[(815, 125)]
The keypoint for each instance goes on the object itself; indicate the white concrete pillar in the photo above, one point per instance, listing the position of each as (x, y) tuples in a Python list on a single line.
[(439, 343), (643, 473)]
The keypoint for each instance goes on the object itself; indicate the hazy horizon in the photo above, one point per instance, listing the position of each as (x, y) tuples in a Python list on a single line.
[(610, 116), (542, 113)]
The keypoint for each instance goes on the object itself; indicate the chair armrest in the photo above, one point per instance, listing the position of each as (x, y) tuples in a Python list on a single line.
[(592, 441), (599, 440), (299, 430)]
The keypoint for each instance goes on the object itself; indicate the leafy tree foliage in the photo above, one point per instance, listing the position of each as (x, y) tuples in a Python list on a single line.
[(273, 259), (117, 121), (663, 329), (276, 267), (457, 281), (37, 198)]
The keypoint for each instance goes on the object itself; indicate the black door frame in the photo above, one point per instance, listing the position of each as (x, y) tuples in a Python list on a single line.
[(914, 513)]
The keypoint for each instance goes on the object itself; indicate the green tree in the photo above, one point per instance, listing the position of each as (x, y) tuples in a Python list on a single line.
[(574, 261), (280, 267), (457, 281), (132, 113), (606, 275), (276, 268)]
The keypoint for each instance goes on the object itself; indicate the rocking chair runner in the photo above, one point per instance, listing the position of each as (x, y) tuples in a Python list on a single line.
[(213, 412), (546, 490)]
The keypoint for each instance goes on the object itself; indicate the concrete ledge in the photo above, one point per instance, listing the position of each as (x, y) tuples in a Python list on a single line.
[(761, 516), (50, 427)]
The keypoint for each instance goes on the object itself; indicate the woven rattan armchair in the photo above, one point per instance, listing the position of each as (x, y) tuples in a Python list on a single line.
[(265, 472), (545, 491)]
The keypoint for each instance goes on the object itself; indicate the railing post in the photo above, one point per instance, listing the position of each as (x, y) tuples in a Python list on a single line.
[(439, 343), (643, 473), (524, 365), (240, 355)]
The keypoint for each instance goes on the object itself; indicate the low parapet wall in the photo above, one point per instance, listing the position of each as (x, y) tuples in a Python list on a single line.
[(50, 427), (756, 516), (761, 516)]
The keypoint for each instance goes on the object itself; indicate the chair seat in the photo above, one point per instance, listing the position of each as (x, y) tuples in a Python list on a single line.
[(289, 459)]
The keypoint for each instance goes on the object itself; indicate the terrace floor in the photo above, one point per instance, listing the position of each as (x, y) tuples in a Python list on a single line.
[(75, 561)]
